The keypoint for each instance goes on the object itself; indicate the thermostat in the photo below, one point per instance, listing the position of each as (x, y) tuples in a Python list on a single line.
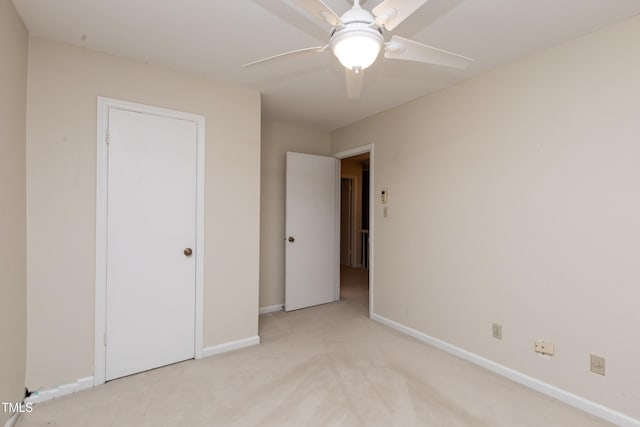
[(384, 196)]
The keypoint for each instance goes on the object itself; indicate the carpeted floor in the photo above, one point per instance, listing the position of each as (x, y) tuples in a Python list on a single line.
[(324, 366)]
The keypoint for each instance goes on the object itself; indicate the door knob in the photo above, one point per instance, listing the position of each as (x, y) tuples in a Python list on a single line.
[(188, 252), (291, 239)]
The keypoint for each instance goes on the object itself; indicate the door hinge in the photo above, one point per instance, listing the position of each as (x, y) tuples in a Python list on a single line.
[(108, 139), (105, 338)]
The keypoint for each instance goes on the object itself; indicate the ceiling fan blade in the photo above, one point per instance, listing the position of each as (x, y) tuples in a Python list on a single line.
[(317, 49), (354, 83), (318, 9), (409, 50), (390, 13)]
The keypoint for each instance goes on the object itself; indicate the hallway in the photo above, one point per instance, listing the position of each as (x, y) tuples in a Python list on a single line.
[(354, 288)]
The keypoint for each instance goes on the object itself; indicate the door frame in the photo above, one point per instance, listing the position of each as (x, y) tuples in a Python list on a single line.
[(353, 262), (104, 105), (343, 155)]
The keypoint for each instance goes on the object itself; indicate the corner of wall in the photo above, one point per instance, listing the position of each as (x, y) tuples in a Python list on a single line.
[(13, 317)]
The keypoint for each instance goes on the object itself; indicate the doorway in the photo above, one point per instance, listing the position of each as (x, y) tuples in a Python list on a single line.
[(313, 227), (356, 251), (149, 237)]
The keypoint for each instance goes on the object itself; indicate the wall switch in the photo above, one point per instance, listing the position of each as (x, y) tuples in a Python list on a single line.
[(496, 331), (544, 347), (597, 364)]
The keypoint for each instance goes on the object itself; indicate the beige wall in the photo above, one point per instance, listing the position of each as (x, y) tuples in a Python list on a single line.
[(353, 169), (515, 197), (278, 137), (13, 95), (64, 83)]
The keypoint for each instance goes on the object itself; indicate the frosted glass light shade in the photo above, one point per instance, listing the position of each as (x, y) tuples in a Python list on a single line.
[(357, 51)]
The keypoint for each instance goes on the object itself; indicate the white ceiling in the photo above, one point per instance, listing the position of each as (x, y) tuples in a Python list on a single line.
[(215, 37)]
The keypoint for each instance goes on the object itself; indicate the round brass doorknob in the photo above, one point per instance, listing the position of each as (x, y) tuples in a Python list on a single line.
[(291, 239), (188, 252)]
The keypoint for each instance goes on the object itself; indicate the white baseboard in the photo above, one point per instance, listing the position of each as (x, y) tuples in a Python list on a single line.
[(12, 421), (63, 390), (230, 346), (271, 309), (88, 382), (576, 401)]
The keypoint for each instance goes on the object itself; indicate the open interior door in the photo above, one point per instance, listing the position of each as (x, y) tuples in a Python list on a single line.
[(311, 226)]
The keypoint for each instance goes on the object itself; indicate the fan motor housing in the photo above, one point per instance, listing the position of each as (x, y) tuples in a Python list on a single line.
[(356, 21), (356, 28)]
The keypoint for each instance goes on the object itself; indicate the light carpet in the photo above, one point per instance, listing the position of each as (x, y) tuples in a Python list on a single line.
[(325, 366)]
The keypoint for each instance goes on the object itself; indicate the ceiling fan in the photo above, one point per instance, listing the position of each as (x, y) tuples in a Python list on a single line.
[(357, 37)]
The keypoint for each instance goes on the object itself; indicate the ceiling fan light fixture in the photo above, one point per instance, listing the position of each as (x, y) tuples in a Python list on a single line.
[(357, 50), (356, 39)]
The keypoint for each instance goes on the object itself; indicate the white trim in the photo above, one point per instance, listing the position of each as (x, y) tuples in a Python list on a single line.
[(101, 245), (230, 346), (12, 420), (353, 229), (350, 153), (571, 399), (336, 233), (355, 235), (104, 104), (271, 309), (62, 390), (200, 236)]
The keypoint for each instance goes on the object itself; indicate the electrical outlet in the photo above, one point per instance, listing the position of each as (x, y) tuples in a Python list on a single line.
[(496, 331), (544, 347), (597, 364)]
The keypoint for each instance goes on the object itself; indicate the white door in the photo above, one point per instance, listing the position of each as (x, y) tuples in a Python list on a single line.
[(311, 255), (151, 226)]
